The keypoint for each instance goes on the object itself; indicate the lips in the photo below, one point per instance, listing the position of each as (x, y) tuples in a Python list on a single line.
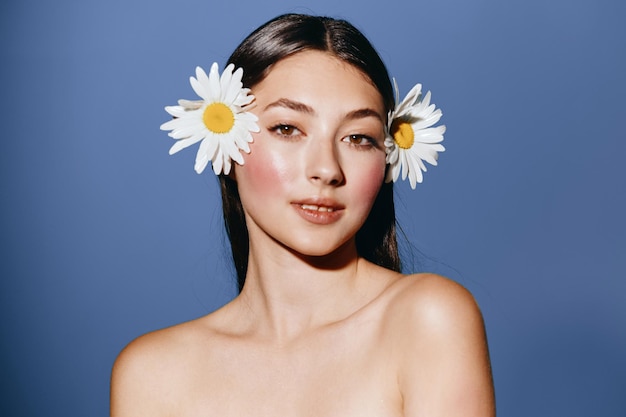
[(315, 207), (319, 210)]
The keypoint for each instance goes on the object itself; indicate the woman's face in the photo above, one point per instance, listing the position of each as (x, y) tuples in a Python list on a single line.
[(318, 162)]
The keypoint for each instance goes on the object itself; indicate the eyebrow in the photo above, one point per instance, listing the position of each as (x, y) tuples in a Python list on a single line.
[(303, 108), (363, 113), (290, 104)]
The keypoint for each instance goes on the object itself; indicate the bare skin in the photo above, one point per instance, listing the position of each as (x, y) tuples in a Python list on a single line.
[(316, 331)]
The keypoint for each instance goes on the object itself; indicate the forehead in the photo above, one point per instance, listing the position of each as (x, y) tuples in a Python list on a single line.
[(316, 76)]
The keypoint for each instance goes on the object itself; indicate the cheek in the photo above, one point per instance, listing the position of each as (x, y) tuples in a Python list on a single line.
[(371, 183), (372, 175), (264, 171)]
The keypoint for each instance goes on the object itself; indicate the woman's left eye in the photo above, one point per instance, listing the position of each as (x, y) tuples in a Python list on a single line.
[(359, 140)]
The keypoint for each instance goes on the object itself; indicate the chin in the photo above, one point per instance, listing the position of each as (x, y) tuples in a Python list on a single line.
[(322, 249)]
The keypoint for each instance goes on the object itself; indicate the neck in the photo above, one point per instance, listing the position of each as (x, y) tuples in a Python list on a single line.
[(288, 294)]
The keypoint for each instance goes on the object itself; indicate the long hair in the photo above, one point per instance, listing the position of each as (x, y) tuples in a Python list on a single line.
[(275, 40)]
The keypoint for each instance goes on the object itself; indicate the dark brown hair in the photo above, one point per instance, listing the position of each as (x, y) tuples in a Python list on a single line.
[(275, 40)]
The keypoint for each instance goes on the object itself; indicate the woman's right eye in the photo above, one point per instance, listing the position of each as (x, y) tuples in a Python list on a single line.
[(285, 130)]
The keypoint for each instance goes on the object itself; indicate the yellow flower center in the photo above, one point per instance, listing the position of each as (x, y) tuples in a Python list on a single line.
[(402, 133), (218, 118)]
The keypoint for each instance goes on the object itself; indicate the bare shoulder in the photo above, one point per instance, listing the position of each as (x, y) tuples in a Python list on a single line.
[(153, 351), (433, 301), (443, 362), (148, 370)]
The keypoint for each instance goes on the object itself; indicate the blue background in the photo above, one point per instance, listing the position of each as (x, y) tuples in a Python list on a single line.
[(105, 236)]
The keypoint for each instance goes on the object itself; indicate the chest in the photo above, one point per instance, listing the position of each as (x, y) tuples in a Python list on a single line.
[(346, 373)]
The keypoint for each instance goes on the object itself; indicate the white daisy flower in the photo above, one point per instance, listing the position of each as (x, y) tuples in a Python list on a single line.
[(218, 120), (411, 139)]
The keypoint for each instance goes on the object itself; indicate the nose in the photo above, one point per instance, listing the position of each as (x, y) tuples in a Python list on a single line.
[(322, 163)]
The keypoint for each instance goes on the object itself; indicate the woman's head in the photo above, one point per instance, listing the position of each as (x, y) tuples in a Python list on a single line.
[(286, 36)]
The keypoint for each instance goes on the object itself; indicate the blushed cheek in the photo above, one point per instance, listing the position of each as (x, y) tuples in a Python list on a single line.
[(264, 172), (370, 183), (372, 187)]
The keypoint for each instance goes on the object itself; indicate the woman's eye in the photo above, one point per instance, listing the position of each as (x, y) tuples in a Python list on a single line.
[(359, 140), (285, 130)]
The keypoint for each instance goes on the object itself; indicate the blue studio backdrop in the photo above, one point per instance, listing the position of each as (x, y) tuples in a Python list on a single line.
[(105, 237)]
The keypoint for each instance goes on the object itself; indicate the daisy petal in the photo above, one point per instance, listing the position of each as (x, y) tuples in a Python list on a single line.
[(183, 143), (200, 84), (214, 83)]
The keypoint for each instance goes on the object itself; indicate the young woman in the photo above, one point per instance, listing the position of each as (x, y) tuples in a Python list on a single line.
[(325, 324)]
